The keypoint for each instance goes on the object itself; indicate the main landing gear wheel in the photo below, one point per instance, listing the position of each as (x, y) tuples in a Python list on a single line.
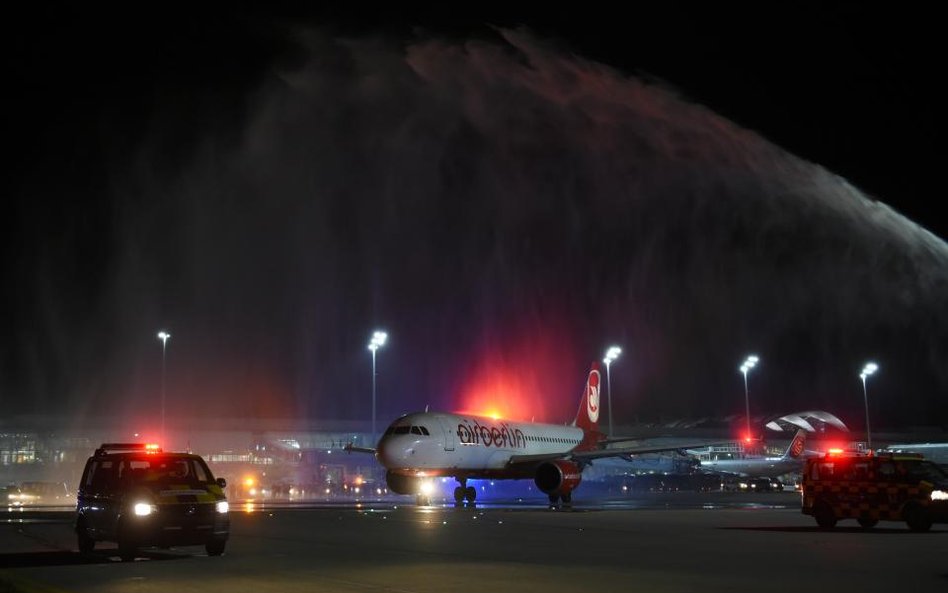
[(565, 499), (470, 494), (459, 493)]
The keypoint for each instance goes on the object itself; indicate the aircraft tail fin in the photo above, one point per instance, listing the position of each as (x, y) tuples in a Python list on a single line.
[(587, 417), (797, 445)]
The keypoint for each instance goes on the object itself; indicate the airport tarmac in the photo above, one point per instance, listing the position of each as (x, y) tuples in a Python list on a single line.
[(658, 542)]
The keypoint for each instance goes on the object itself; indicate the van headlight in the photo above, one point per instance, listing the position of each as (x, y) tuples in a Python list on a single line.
[(143, 509), (939, 495), (222, 506)]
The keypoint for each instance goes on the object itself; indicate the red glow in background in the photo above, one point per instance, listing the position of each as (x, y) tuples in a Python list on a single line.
[(535, 374)]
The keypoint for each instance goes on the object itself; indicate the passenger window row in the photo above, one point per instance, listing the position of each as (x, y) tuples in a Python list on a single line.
[(540, 439)]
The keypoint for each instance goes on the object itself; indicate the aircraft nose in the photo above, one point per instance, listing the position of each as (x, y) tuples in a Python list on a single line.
[(388, 455)]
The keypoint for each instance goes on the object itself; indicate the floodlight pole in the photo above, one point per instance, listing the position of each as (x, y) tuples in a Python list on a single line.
[(611, 354), (378, 340), (163, 336), (867, 370), (749, 363)]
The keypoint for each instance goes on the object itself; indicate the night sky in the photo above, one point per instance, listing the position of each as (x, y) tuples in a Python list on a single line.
[(506, 194)]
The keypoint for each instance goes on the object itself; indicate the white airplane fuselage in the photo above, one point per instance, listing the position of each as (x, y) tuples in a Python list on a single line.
[(442, 444)]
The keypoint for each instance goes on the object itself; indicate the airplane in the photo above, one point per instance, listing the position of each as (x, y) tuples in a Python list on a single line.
[(423, 445), (763, 467)]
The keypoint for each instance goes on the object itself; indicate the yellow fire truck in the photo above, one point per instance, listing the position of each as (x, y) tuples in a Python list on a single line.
[(872, 488)]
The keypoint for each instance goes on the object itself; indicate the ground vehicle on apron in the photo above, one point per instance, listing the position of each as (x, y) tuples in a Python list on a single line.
[(875, 487), (137, 495)]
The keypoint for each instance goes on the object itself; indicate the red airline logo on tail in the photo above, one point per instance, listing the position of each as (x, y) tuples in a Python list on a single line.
[(796, 447), (587, 416), (592, 396)]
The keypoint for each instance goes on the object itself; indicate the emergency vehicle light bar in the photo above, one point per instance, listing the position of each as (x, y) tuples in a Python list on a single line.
[(117, 447)]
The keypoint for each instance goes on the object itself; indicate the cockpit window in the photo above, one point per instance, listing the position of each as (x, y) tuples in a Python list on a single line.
[(405, 429)]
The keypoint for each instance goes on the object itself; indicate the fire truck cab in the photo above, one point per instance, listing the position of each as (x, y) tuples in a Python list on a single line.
[(875, 487)]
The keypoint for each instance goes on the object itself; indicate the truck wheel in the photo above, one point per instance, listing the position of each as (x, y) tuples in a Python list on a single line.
[(215, 547), (917, 518), (86, 544), (126, 551), (867, 523), (824, 515)]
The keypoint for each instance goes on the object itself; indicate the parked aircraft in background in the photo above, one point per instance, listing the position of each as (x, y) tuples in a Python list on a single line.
[(937, 452), (770, 467)]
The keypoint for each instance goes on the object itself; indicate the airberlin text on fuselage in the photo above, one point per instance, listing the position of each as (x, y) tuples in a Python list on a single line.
[(474, 433)]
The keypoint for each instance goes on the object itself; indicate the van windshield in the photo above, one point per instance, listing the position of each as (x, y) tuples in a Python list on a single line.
[(164, 470)]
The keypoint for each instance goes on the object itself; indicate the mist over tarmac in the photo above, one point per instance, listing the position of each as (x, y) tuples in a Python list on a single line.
[(505, 210)]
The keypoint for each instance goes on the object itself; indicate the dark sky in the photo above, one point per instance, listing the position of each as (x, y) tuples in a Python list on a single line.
[(271, 186)]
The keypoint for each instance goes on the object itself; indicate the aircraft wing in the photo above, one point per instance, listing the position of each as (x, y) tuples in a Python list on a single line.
[(350, 448), (536, 458), (688, 446), (627, 451), (586, 456)]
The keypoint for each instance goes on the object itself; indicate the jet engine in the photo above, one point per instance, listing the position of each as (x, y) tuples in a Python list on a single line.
[(558, 477)]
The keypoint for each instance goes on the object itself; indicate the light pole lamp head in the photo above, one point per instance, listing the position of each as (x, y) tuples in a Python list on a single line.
[(749, 363), (869, 369), (378, 340), (163, 336), (611, 354)]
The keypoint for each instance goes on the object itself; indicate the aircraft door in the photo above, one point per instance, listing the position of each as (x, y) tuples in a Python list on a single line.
[(449, 435)]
